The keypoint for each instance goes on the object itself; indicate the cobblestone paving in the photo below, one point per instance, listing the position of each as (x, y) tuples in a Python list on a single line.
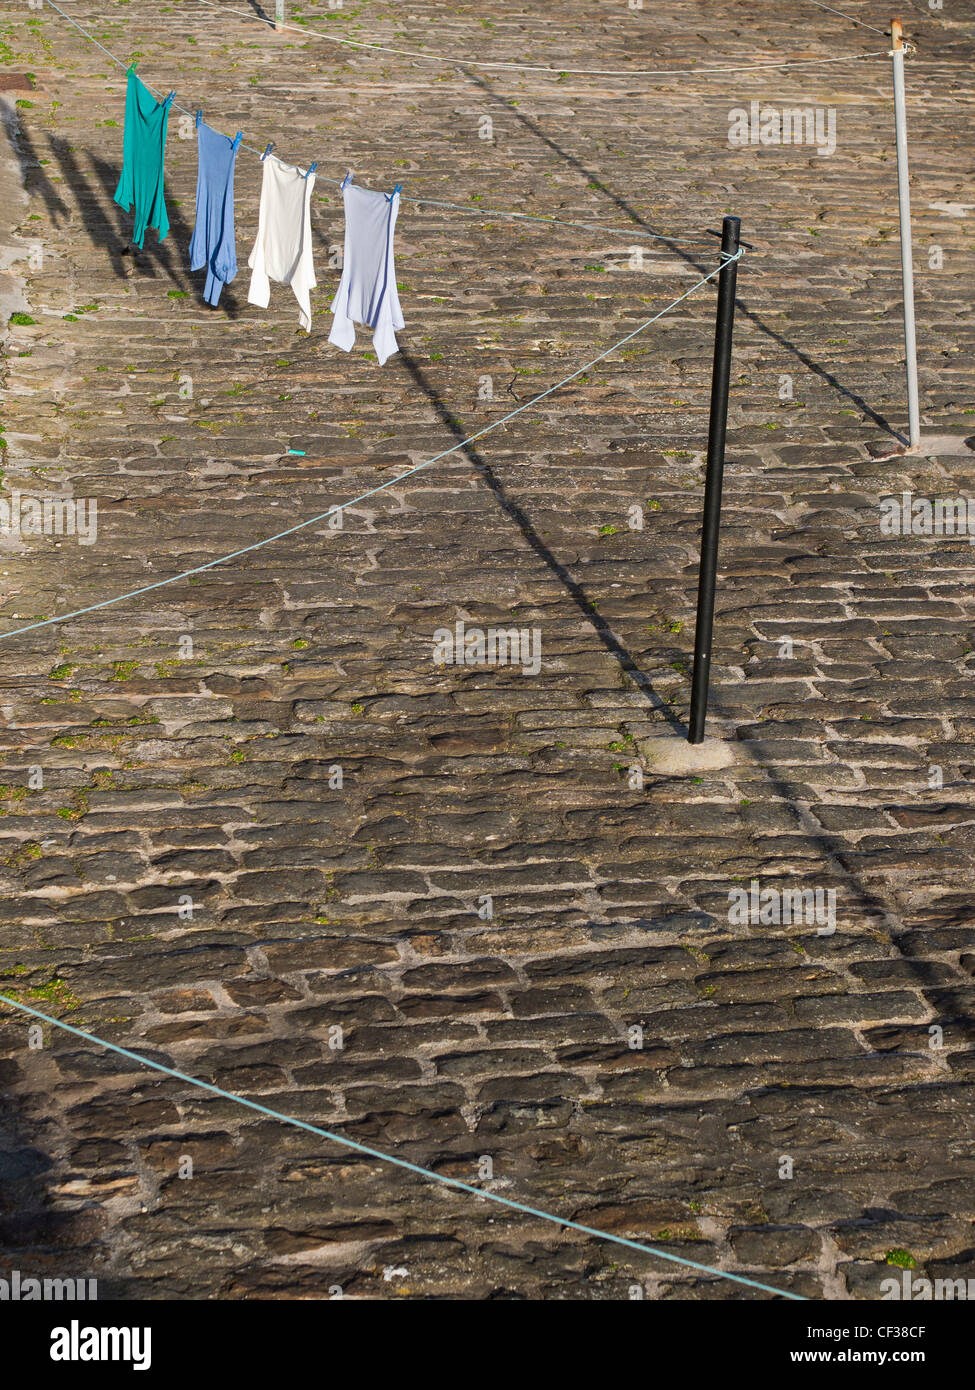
[(206, 771)]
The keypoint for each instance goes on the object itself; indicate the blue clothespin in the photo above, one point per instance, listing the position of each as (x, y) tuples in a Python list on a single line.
[(397, 189), (199, 118), (270, 147), (311, 169)]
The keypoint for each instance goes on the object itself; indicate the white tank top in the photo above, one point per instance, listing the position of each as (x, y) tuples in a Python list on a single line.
[(282, 250)]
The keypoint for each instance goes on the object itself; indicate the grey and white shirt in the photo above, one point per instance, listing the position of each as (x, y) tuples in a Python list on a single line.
[(367, 291)]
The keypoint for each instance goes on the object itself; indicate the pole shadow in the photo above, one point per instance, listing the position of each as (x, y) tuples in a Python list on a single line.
[(516, 513)]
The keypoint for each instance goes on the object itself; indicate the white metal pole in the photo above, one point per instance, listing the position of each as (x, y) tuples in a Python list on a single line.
[(907, 254), (279, 14)]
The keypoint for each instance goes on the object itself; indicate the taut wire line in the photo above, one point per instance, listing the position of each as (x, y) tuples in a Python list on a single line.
[(370, 1152), (531, 67), (852, 18), (481, 212), (400, 477)]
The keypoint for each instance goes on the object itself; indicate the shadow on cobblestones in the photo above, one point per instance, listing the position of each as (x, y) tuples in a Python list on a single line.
[(830, 848), (26, 158), (518, 515), (674, 245), (40, 1237)]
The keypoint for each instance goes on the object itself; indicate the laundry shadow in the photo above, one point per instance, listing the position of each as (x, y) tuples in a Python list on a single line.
[(102, 232), (41, 1237), (169, 257), (111, 230), (32, 176), (674, 244)]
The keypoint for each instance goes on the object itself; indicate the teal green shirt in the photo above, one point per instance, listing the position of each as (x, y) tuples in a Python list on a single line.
[(143, 155)]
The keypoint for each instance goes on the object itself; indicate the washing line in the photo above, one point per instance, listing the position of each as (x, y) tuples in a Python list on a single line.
[(531, 67), (410, 472), (479, 212), (404, 1163), (852, 18)]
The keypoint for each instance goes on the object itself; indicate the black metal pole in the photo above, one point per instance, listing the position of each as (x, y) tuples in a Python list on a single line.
[(717, 429)]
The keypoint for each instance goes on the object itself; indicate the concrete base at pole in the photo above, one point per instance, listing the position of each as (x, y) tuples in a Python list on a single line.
[(929, 446), (956, 445), (670, 755)]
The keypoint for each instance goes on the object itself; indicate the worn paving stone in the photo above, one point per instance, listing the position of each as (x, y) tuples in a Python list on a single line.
[(445, 910)]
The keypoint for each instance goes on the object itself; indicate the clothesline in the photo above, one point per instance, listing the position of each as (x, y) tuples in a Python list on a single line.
[(481, 213), (382, 487), (282, 252), (456, 1184), (852, 18), (531, 67)]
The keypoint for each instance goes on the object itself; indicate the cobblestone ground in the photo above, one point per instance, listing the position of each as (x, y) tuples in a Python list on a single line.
[(204, 771)]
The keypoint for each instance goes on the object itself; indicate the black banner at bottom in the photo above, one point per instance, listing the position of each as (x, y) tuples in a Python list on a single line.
[(208, 1340)]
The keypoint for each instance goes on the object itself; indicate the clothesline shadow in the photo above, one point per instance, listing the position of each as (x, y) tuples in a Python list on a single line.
[(675, 247), (832, 850), (517, 514), (521, 519)]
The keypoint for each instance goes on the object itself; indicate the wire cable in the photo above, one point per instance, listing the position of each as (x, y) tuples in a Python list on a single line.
[(370, 1152), (401, 477), (531, 67), (853, 20), (428, 202), (557, 221)]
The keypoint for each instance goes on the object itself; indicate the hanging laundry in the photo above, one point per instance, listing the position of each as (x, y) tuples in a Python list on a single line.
[(214, 241), (282, 250), (367, 291), (143, 155)]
